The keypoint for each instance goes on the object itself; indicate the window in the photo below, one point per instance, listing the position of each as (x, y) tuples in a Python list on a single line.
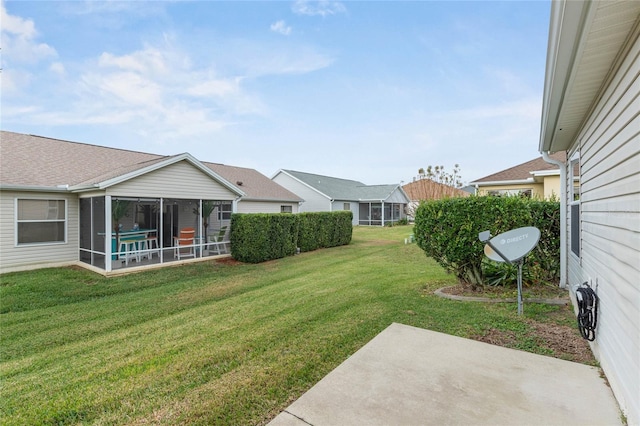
[(41, 221), (524, 193), (346, 206), (286, 209), (225, 212), (574, 172)]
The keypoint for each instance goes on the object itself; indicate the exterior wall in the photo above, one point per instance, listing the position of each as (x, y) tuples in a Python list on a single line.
[(179, 180), (537, 189), (551, 187), (16, 258), (609, 150), (313, 201), (396, 197), (353, 207), (245, 206)]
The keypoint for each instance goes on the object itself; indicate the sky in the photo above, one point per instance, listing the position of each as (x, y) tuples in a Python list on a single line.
[(364, 90)]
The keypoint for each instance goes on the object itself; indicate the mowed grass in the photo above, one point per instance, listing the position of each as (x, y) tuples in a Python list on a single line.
[(213, 343)]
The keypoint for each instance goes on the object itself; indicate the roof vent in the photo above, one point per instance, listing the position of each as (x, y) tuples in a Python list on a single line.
[(239, 183)]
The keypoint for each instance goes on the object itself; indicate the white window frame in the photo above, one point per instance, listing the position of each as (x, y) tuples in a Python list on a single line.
[(286, 209), (41, 243), (346, 206)]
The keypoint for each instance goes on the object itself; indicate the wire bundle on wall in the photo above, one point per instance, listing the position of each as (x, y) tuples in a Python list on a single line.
[(587, 311)]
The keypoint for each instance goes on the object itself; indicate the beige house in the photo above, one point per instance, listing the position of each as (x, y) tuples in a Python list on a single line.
[(591, 115), (534, 179), (113, 210)]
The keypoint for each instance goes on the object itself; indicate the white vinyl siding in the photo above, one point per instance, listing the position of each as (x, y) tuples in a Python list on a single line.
[(313, 200), (353, 207), (22, 257), (180, 180), (609, 150), (245, 206)]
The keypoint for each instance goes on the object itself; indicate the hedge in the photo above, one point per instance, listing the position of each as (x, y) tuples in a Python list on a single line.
[(447, 230), (260, 237), (324, 229)]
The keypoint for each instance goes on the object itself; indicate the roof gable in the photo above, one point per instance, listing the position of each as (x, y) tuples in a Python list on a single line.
[(36, 161), (345, 189)]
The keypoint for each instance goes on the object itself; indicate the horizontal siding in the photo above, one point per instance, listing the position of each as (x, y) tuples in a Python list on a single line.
[(180, 180), (313, 201), (13, 258), (609, 147), (264, 206)]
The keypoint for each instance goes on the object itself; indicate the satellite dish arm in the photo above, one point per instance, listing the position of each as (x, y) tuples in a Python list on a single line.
[(499, 253), (485, 237)]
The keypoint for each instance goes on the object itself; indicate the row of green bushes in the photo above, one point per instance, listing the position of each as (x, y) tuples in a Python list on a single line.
[(260, 237), (447, 230)]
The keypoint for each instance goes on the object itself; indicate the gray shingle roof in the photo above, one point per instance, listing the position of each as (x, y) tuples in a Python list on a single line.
[(254, 184), (344, 189), (37, 161), (27, 160)]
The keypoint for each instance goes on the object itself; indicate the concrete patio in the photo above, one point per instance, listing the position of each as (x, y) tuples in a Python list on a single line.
[(411, 376)]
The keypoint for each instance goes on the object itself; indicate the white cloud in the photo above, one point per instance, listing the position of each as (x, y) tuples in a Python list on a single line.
[(322, 7), (281, 27), (58, 68), (18, 44)]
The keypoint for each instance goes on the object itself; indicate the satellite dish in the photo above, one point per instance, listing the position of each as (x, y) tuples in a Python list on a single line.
[(513, 245)]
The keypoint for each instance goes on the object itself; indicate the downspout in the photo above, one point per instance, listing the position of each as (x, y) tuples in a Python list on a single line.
[(563, 216)]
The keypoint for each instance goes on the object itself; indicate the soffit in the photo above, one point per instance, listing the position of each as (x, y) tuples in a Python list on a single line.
[(605, 32)]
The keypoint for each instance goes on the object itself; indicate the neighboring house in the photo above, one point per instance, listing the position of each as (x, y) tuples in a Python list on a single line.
[(533, 179), (60, 205), (261, 194), (591, 112), (376, 205), (427, 189)]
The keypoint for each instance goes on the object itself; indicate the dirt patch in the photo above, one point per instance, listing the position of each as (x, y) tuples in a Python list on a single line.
[(228, 261), (547, 292), (562, 341)]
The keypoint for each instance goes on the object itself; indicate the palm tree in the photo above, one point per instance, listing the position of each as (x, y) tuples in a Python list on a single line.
[(207, 208), (119, 209)]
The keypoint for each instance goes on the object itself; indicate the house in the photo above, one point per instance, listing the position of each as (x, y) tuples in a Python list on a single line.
[(533, 179), (111, 210), (261, 194), (376, 205), (428, 189), (591, 114)]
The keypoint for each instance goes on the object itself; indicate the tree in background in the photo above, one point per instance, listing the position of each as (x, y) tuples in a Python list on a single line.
[(434, 183)]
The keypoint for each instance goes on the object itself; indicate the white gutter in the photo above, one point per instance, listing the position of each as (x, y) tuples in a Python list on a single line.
[(563, 216)]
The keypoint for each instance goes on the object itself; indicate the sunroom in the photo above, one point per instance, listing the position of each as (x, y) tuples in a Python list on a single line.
[(174, 211)]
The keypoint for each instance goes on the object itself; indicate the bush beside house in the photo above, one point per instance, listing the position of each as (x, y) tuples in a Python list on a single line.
[(447, 230), (257, 238)]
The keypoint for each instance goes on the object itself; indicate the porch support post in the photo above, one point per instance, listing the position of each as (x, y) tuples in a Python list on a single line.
[(107, 233)]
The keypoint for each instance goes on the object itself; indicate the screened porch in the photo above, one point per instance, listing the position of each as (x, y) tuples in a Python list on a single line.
[(125, 232)]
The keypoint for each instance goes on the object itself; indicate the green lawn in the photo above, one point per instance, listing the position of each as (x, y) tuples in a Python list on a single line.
[(212, 343)]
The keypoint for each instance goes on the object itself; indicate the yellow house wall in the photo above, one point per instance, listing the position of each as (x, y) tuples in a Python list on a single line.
[(552, 187), (537, 189)]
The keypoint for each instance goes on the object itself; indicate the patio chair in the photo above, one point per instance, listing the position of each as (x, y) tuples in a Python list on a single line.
[(218, 241), (151, 240), (184, 244)]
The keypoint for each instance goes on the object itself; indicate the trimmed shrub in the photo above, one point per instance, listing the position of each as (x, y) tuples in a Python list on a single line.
[(447, 230), (259, 237)]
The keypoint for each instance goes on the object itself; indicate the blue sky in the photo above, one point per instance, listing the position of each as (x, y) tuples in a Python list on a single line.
[(369, 91)]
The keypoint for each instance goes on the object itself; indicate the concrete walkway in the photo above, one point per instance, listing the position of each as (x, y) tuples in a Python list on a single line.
[(412, 376)]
